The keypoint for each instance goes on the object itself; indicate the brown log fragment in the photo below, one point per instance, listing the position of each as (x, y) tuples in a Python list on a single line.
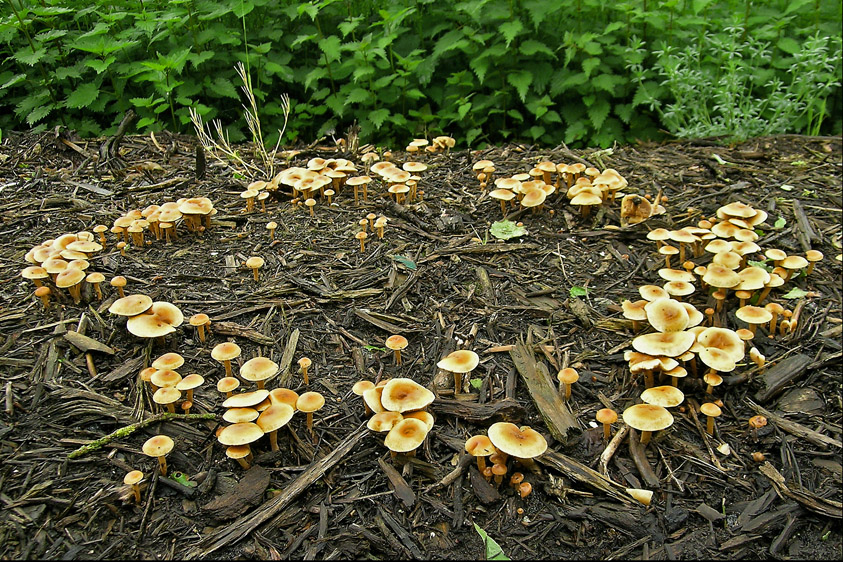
[(84, 343), (244, 495), (239, 529), (287, 359), (556, 413), (465, 461), (796, 429), (234, 329), (485, 492), (584, 475), (402, 490), (502, 410), (808, 499), (639, 457), (804, 233), (781, 374), (408, 541)]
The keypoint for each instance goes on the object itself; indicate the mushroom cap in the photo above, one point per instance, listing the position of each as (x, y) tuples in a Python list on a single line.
[(754, 314), (310, 402), (414, 167), (69, 277), (422, 415), (658, 234), (95, 277), (170, 360), (682, 236), (405, 395), (524, 442), (710, 409), (148, 326), (606, 415), (460, 361), (757, 421), (240, 415), (713, 379), (384, 421), (275, 417), (84, 246), (254, 262), (586, 197), (246, 399), (158, 446), (718, 275), (679, 288), (284, 396), (479, 446), (652, 292), (406, 435), (647, 417), (568, 375), (717, 359), (34, 272), (794, 262), (752, 278), (362, 386), (502, 193), (396, 342), (166, 395), (669, 274), (196, 206), (718, 246), (259, 369), (695, 317), (133, 477), (240, 434), (120, 281), (735, 209), (670, 344), (237, 451), (372, 398), (199, 319), (227, 384), (533, 197), (225, 351), (667, 250), (775, 254), (813, 255), (190, 382), (723, 339), (666, 396), (165, 377), (667, 315), (634, 310)]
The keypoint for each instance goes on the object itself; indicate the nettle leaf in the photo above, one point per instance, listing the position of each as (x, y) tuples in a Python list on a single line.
[(28, 56), (624, 111), (38, 114), (224, 87), (98, 65), (530, 47), (357, 95), (510, 30), (789, 45), (605, 82), (700, 5), (332, 47), (463, 109), (314, 75), (378, 116), (589, 64), (454, 39), (242, 8), (83, 96), (480, 65), (301, 39), (16, 79), (521, 82), (598, 111)]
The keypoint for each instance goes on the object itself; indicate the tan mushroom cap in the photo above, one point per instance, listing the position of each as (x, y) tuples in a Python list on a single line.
[(679, 288), (166, 395), (718, 246), (148, 326), (523, 442), (240, 415), (634, 310), (414, 167), (669, 274), (775, 254), (362, 386), (647, 417), (405, 395), (396, 342), (754, 314), (752, 278), (658, 234), (372, 398), (652, 292), (813, 256), (794, 262), (190, 382), (724, 339), (275, 417), (710, 409), (34, 272), (606, 415), (422, 415), (170, 360), (238, 451), (227, 384), (720, 276), (534, 198), (406, 435), (69, 277), (568, 375), (240, 434), (479, 446), (158, 446), (133, 477), (384, 421), (259, 369), (196, 206), (166, 313), (225, 351), (199, 319), (460, 361), (502, 194), (246, 399), (254, 262), (95, 277), (713, 379), (717, 359), (310, 402), (667, 315), (165, 377), (670, 344), (284, 396), (695, 317), (666, 396)]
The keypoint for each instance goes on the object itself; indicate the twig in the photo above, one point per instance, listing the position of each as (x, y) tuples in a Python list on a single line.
[(129, 429), (611, 448)]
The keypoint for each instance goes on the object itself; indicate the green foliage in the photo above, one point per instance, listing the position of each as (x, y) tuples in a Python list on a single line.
[(585, 73), (504, 230), (493, 549), (576, 291)]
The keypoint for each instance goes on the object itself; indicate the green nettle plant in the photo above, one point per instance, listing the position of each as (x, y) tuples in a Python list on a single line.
[(726, 85)]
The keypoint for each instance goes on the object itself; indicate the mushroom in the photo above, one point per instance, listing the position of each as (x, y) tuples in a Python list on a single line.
[(190, 383), (167, 396), (756, 423), (405, 395), (711, 410), (255, 263), (259, 370), (240, 453), (711, 380), (480, 447), (754, 316), (274, 418), (240, 434), (406, 436), (200, 321), (667, 315), (372, 399), (669, 344), (359, 388), (118, 282), (35, 273), (95, 278), (308, 403), (643, 496), (459, 362), (382, 422), (165, 377), (133, 479), (567, 377), (304, 365), (757, 358), (634, 311), (664, 396), (171, 361), (43, 293), (240, 415), (523, 443), (227, 385), (224, 353), (361, 236), (396, 343), (158, 447), (813, 256), (647, 418), (246, 399), (71, 279), (502, 195), (161, 319), (607, 417)]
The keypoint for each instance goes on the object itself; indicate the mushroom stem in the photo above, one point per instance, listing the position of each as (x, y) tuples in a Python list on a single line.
[(607, 431), (397, 356), (171, 407), (227, 364), (481, 463), (648, 378), (273, 440), (709, 425), (244, 463), (457, 383), (310, 425), (162, 464), (136, 492), (201, 330), (645, 437)]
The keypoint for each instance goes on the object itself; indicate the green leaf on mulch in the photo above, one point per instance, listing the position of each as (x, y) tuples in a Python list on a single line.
[(504, 230)]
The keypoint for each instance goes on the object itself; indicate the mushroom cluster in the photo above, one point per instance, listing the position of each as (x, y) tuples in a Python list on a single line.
[(163, 220), (507, 441), (148, 319)]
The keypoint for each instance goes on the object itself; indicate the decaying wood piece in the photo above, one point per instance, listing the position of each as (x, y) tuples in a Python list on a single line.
[(287, 359), (485, 492), (464, 462), (502, 410), (237, 530), (639, 457), (129, 367), (611, 448), (780, 375), (233, 329), (84, 343), (804, 233), (556, 413), (402, 490), (808, 499), (244, 495), (583, 474), (795, 428)]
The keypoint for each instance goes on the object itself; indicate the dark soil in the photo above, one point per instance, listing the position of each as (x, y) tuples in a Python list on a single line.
[(441, 280)]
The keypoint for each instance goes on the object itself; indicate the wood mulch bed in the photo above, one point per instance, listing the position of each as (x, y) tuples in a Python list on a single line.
[(440, 279)]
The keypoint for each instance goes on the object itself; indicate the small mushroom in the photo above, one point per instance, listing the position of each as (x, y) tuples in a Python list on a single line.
[(480, 447), (308, 403), (607, 417), (224, 353), (711, 410), (227, 385), (274, 418), (567, 377), (647, 418), (158, 447), (756, 423), (43, 293), (304, 365), (255, 263), (200, 321), (459, 362), (133, 479), (396, 343)]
